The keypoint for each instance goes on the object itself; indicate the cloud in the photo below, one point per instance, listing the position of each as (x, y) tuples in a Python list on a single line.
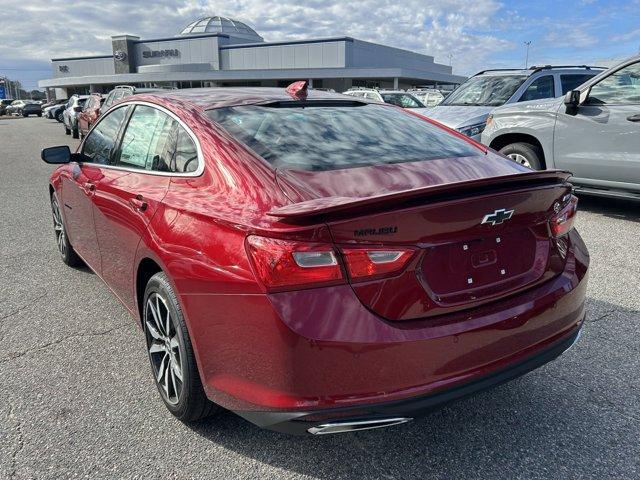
[(38, 30), (626, 37)]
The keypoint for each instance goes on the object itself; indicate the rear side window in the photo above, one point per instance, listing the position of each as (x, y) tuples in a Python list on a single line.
[(541, 87), (572, 82), (184, 155), (326, 137), (99, 144)]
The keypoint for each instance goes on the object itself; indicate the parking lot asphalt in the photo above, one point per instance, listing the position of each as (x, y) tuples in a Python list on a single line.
[(79, 401)]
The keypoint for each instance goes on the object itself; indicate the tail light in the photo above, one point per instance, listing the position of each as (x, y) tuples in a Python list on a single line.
[(366, 264), (289, 265), (562, 222), (283, 264)]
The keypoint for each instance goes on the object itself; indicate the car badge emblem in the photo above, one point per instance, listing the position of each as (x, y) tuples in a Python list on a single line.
[(498, 217), (120, 55)]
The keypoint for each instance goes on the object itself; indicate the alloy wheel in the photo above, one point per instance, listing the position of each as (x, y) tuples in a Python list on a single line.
[(164, 348), (519, 158), (58, 227)]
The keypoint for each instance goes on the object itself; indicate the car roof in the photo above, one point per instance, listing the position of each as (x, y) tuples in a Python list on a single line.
[(532, 70), (217, 97)]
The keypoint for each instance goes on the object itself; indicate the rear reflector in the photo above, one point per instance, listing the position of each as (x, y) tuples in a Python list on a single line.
[(365, 264), (286, 265), (562, 222)]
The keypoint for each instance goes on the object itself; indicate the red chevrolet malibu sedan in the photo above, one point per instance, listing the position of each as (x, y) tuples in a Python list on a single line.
[(317, 263)]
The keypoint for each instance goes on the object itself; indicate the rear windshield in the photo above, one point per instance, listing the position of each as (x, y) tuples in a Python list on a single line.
[(337, 136)]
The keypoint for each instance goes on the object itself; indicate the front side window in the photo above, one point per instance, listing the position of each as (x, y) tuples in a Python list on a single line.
[(572, 82), (327, 137), (541, 87), (99, 144), (145, 139), (621, 87), (485, 90)]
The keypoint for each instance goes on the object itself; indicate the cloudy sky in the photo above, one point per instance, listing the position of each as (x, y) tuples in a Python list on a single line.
[(476, 34)]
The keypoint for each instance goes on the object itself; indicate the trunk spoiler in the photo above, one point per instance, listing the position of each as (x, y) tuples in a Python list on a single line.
[(337, 205)]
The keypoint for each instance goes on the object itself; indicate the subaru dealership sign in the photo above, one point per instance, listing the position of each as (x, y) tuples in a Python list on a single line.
[(3, 92)]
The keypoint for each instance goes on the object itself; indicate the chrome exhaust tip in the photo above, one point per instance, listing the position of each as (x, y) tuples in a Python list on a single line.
[(342, 427)]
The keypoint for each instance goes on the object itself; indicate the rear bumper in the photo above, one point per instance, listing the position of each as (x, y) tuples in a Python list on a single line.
[(321, 350), (299, 423)]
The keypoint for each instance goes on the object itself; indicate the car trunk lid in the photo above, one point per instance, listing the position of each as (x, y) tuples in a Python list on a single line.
[(476, 240)]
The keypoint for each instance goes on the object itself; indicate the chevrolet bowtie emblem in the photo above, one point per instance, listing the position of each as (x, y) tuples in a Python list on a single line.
[(497, 217)]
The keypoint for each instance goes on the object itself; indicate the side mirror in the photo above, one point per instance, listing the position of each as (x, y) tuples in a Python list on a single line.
[(572, 101), (56, 155)]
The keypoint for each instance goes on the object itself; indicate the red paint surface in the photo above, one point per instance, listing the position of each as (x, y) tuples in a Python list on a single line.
[(396, 336)]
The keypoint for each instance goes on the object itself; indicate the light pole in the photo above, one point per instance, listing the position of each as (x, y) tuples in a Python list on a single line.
[(450, 59), (526, 58)]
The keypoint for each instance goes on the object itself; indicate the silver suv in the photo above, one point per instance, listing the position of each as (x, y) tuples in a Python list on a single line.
[(466, 109), (593, 132)]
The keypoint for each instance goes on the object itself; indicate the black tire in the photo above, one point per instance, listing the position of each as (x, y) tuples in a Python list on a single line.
[(25, 114), (68, 254), (59, 117), (188, 403), (75, 133), (40, 115), (525, 154), (67, 131)]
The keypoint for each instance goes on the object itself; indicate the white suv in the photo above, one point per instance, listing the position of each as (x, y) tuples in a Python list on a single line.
[(396, 97)]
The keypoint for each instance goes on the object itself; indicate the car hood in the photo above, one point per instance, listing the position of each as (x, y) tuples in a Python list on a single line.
[(362, 182), (456, 116)]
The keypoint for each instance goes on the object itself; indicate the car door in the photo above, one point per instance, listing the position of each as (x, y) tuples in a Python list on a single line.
[(131, 194), (79, 185), (600, 143)]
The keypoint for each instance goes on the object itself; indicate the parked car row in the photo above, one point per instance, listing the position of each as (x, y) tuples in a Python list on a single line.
[(22, 108), (79, 113)]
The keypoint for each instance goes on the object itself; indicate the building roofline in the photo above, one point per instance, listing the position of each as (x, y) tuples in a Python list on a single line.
[(182, 37), (88, 57), (287, 42), (243, 75)]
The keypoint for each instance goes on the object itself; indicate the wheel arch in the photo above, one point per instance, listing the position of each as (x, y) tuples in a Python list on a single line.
[(502, 141), (147, 268)]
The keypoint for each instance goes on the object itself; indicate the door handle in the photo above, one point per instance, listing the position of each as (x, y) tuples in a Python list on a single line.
[(88, 187), (138, 203), (634, 118)]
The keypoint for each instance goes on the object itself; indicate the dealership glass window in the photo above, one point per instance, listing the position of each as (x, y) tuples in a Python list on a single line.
[(541, 87), (621, 87), (571, 82), (99, 143), (327, 137), (144, 140)]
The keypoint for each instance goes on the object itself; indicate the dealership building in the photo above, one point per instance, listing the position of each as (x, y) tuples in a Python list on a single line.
[(218, 51)]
